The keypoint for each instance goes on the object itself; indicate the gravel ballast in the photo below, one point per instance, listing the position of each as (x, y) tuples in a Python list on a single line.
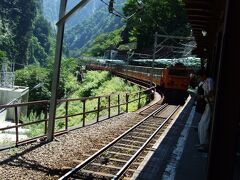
[(51, 160)]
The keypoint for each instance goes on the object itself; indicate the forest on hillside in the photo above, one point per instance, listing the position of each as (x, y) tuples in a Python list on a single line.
[(165, 17), (27, 37)]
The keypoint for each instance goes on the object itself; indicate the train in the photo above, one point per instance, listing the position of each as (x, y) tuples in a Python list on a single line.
[(172, 81)]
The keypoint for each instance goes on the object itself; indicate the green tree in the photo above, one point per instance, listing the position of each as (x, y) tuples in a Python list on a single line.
[(153, 17), (102, 42), (32, 77), (27, 12), (3, 55)]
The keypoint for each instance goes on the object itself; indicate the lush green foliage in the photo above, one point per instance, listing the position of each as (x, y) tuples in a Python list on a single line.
[(95, 84), (34, 129), (3, 55), (153, 17), (99, 84), (31, 76), (92, 81), (34, 76), (102, 42), (24, 33)]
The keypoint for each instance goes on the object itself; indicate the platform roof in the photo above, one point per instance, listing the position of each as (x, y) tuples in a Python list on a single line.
[(208, 16)]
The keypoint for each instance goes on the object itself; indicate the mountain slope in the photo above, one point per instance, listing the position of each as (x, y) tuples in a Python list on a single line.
[(24, 33), (82, 28), (51, 11)]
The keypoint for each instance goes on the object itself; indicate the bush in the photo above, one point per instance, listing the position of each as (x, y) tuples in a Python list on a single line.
[(95, 84)]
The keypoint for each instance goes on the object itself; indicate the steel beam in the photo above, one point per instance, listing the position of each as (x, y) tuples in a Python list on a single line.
[(57, 63), (175, 37), (56, 73), (80, 5), (154, 55)]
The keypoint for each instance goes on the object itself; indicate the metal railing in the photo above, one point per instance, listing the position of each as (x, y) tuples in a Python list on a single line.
[(122, 102), (137, 72)]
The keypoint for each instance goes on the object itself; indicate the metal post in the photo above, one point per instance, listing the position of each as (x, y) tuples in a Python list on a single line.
[(139, 100), (127, 67), (66, 115), (45, 118), (128, 59), (118, 104), (84, 111), (127, 98), (98, 108), (16, 123), (56, 72), (154, 55), (109, 105)]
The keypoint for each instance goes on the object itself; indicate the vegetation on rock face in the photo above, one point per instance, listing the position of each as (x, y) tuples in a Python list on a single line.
[(82, 35), (102, 42), (24, 33)]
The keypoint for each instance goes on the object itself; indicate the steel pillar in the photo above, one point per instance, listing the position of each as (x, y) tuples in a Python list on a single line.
[(227, 107), (56, 72), (154, 55), (57, 64)]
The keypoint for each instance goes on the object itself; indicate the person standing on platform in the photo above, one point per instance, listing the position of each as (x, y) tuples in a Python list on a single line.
[(203, 126), (200, 102)]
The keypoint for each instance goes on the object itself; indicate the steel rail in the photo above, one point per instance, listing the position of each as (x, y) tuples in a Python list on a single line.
[(124, 168), (88, 160)]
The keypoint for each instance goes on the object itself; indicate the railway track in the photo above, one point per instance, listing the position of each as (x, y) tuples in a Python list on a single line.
[(113, 160)]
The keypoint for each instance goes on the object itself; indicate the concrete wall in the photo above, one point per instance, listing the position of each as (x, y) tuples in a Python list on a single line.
[(18, 94)]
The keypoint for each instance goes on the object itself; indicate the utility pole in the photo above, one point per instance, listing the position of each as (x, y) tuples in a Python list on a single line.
[(154, 55), (130, 54), (128, 57), (56, 72)]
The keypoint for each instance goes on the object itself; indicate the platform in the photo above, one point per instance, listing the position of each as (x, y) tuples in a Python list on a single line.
[(175, 155)]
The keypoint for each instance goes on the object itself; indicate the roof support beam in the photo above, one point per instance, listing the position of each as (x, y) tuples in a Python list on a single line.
[(200, 2), (175, 37), (202, 16)]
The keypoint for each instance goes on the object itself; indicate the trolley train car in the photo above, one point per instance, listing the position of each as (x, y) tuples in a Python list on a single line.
[(173, 81)]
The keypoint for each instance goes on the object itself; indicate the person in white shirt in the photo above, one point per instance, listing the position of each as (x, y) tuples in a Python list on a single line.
[(203, 126)]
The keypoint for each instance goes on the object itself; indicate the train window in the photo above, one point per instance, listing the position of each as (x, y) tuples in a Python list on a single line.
[(178, 72)]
